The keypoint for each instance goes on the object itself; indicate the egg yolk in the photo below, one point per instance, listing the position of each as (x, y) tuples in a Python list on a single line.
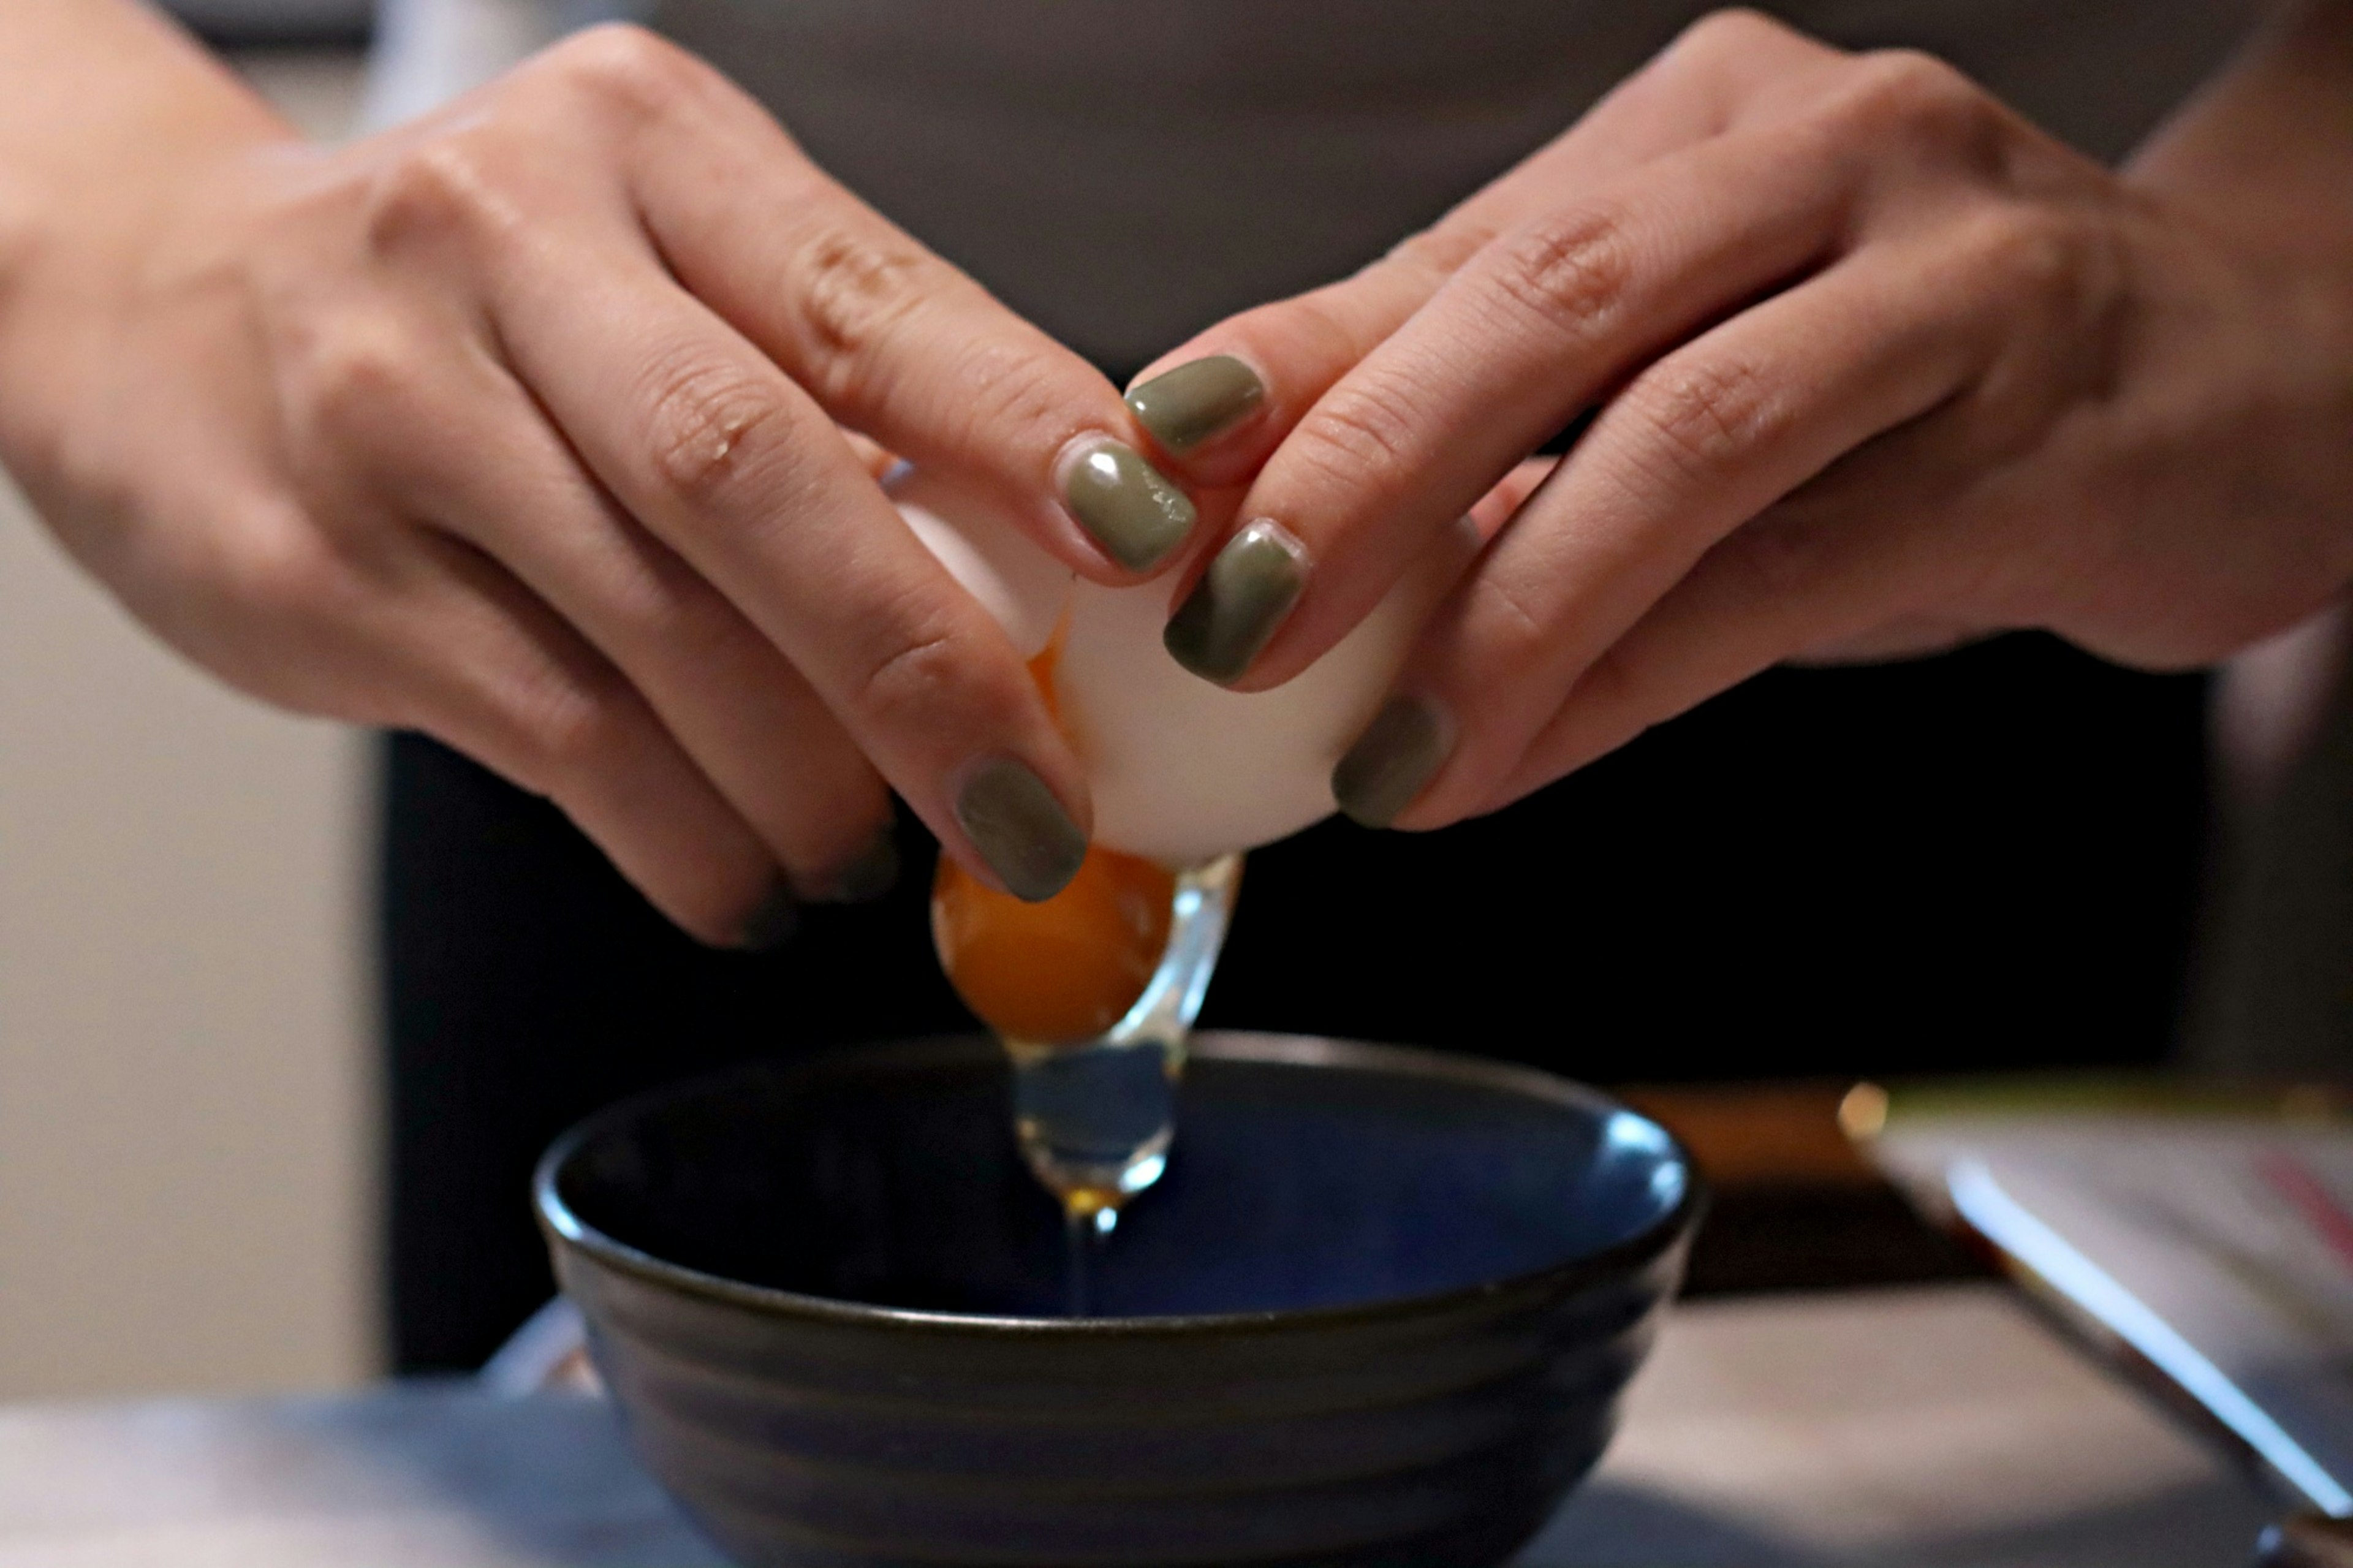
[(1058, 972)]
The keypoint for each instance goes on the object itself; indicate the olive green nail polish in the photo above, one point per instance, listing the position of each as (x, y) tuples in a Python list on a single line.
[(873, 873), (773, 921), (1392, 762), (1197, 402), (1233, 610), (1021, 829), (1134, 513)]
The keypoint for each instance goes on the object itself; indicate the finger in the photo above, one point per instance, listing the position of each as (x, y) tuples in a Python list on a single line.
[(1218, 404), (703, 440), (1525, 335), (1901, 637), (480, 663), (1858, 565), (872, 456), (890, 338), (1497, 508), (1696, 446), (1839, 571), (741, 713), (1785, 585)]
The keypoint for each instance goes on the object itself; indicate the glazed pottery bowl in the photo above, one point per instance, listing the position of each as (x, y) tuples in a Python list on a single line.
[(1379, 1311)]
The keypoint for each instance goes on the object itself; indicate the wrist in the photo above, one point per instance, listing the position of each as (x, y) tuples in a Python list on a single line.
[(110, 117), (85, 251)]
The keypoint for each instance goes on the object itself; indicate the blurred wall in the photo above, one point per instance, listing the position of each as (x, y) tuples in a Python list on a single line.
[(185, 1085)]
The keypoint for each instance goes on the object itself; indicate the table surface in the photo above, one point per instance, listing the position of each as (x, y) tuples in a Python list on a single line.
[(1932, 1427)]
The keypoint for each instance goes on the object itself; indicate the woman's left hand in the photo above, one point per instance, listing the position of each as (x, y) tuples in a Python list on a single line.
[(1871, 366)]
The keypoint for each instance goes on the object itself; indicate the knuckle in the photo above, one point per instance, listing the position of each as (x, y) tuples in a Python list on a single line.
[(2067, 291), (1005, 403), (1515, 636), (853, 291), (714, 428), (360, 382), (661, 602), (439, 191), (1363, 433), (1913, 96), (624, 67), (572, 727), (1727, 34), (1704, 416), (2043, 255), (924, 673), (2029, 256), (275, 565), (1568, 270), (1773, 559)]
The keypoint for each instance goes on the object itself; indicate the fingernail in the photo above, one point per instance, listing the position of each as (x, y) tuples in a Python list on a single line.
[(1233, 610), (773, 921), (1134, 513), (873, 873), (1021, 829), (1197, 402), (1392, 762)]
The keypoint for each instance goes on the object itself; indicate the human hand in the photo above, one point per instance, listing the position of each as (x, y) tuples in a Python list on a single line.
[(1871, 366), (526, 425)]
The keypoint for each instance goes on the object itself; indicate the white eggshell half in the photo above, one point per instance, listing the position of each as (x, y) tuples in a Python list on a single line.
[(1181, 771)]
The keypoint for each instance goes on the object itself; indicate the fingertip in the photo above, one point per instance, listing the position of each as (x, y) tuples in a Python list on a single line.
[(1198, 403), (870, 874), (1137, 515), (1028, 839), (1394, 762), (1238, 603), (771, 922)]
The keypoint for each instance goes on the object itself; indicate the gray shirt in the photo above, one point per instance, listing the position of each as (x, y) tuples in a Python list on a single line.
[(1124, 174)]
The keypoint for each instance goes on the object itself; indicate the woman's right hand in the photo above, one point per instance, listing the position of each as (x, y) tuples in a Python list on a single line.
[(524, 425)]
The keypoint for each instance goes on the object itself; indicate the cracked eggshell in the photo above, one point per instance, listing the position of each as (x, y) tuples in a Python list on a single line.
[(1181, 771)]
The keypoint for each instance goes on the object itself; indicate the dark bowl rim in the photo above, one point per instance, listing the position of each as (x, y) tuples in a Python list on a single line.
[(565, 1228)]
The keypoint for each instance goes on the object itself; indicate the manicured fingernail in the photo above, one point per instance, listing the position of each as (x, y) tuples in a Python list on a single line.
[(1134, 513), (874, 873), (773, 921), (1197, 402), (1233, 610), (1021, 829), (1392, 762)]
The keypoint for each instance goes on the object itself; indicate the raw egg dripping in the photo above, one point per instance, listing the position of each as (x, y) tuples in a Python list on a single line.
[(1091, 993), (1061, 972)]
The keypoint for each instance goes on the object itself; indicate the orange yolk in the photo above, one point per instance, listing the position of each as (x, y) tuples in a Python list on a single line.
[(1068, 969), (1060, 971)]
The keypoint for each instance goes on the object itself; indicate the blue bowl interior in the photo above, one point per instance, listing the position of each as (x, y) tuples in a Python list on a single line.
[(891, 1179)]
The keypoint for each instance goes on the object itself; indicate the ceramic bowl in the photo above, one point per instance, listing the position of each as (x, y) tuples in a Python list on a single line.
[(1379, 1311)]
